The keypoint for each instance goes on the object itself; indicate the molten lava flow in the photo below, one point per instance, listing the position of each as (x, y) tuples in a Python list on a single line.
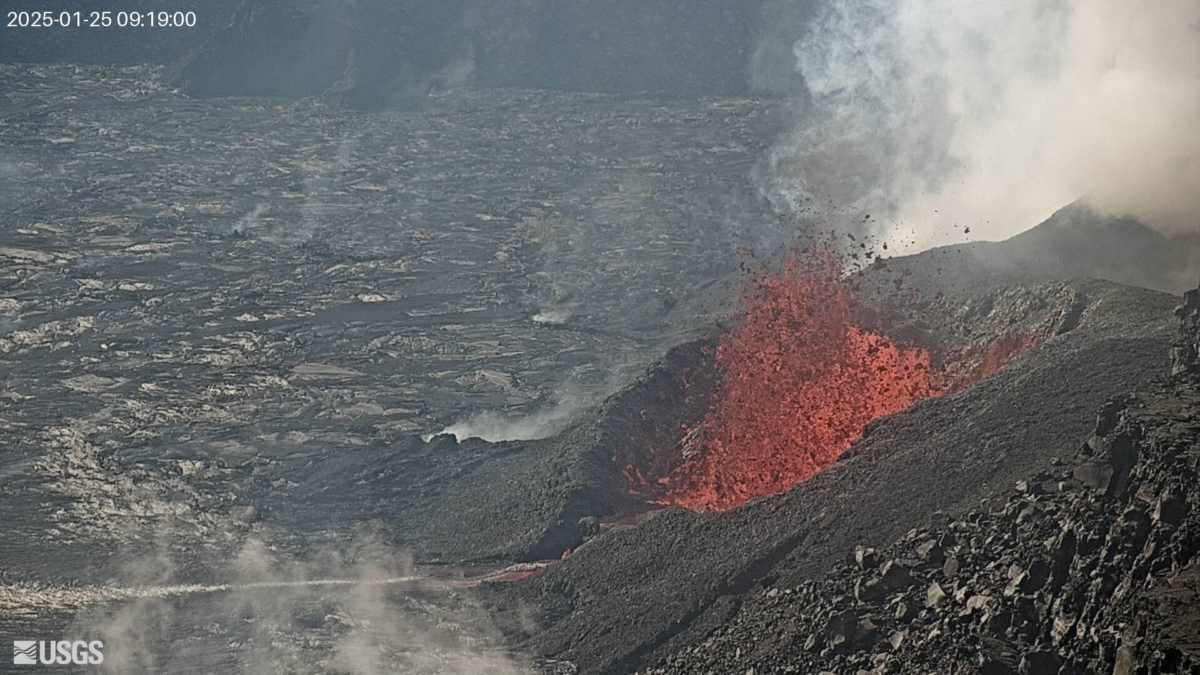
[(800, 378)]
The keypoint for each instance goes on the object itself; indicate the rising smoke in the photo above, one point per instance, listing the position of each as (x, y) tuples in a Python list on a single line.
[(945, 114)]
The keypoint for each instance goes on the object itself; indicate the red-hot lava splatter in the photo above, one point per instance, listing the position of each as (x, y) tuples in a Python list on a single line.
[(800, 378)]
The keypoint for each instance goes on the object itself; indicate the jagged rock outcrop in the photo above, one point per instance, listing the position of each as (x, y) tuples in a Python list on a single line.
[(1185, 352)]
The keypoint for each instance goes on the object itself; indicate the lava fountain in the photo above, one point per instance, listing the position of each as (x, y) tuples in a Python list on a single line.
[(800, 376)]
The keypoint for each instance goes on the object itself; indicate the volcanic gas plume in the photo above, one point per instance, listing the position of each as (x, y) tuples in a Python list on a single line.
[(800, 376), (943, 115)]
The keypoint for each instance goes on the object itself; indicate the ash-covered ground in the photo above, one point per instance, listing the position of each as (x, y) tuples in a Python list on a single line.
[(231, 328)]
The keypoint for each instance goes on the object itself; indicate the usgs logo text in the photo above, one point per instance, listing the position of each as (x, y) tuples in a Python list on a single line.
[(57, 652)]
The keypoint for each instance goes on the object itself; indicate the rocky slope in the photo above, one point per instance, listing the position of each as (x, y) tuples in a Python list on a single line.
[(1089, 567), (637, 596), (1067, 560)]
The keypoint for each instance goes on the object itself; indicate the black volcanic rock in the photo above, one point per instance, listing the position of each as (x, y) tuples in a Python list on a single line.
[(1067, 577), (236, 340), (1075, 242)]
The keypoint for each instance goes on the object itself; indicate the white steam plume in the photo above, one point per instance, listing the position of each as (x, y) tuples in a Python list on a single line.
[(496, 427), (992, 115), (565, 406)]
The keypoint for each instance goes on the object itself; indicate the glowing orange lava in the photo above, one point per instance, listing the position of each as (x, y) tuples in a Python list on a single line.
[(800, 378), (797, 380)]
